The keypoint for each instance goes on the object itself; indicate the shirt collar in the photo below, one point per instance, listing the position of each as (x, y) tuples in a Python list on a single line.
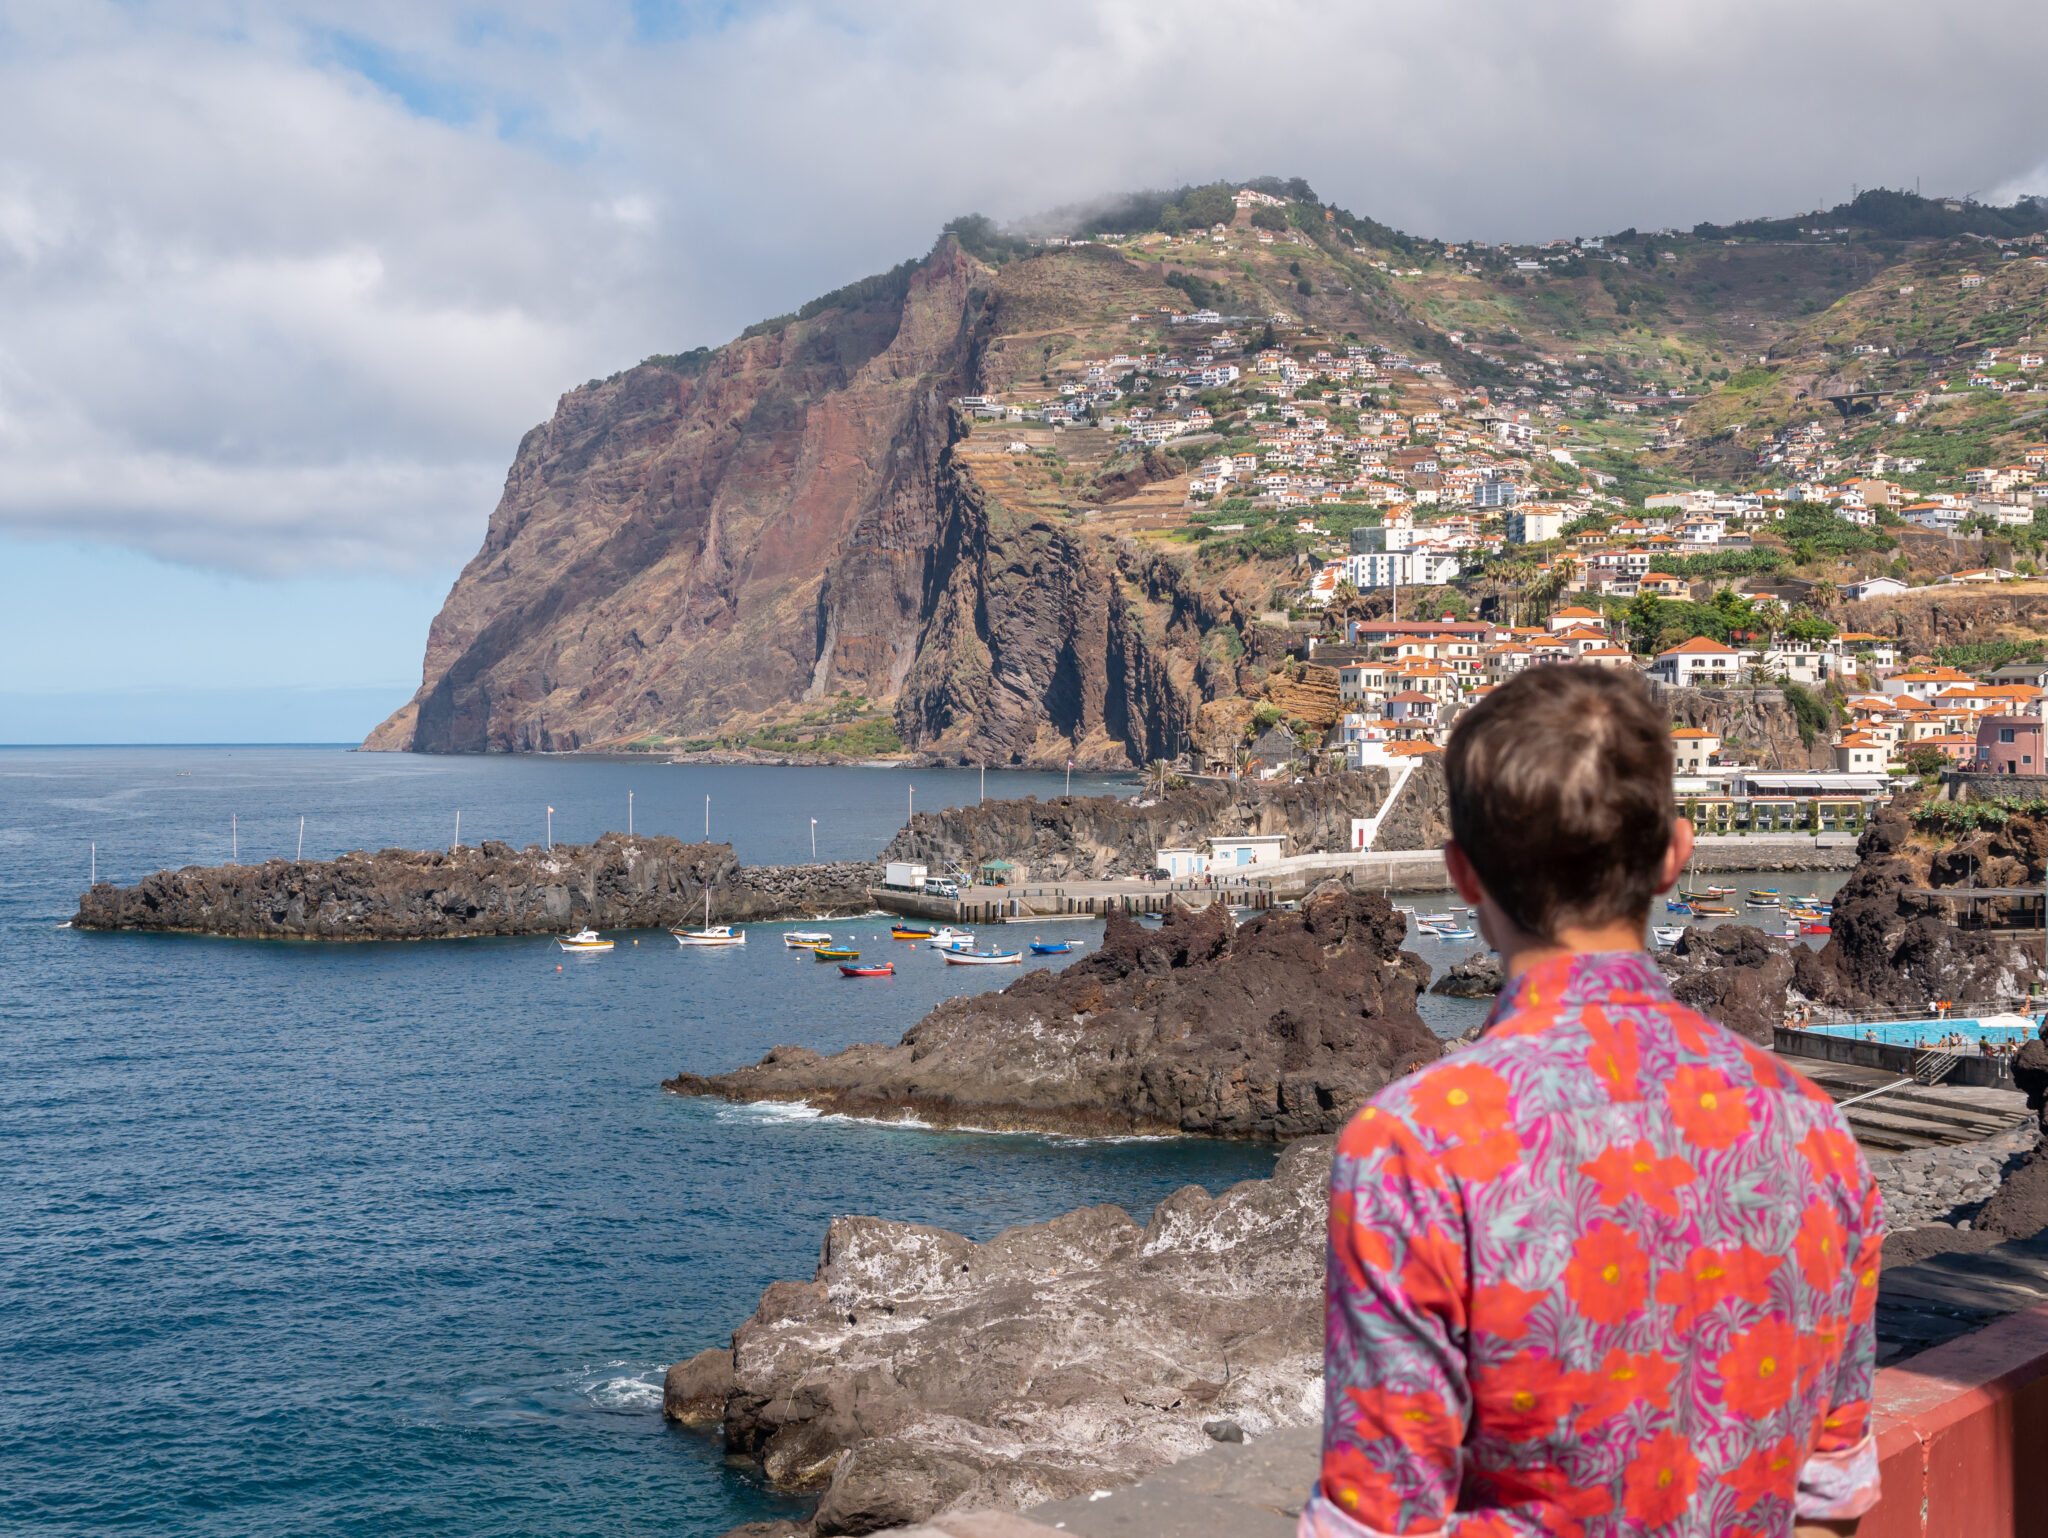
[(1591, 977)]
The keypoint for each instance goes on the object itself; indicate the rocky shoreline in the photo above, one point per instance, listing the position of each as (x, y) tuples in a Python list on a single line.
[(1278, 1028), (919, 1372), (619, 882)]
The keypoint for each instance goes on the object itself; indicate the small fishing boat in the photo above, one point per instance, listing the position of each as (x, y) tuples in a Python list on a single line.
[(1436, 920), (583, 940), (1666, 935), (805, 939), (872, 969), (1054, 947), (1678, 905), (710, 934), (1822, 928), (1762, 902), (1712, 910), (1766, 893), (947, 938), (1452, 934), (836, 953), (905, 932), (1719, 891), (982, 958)]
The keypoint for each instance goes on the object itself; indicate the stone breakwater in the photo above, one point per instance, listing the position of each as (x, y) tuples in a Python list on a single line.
[(919, 1372), (1280, 1028), (1947, 1187), (619, 882)]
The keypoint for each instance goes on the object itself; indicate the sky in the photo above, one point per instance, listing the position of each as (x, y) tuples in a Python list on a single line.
[(282, 285)]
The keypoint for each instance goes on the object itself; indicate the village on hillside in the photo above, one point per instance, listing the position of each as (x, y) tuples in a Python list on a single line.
[(1447, 536)]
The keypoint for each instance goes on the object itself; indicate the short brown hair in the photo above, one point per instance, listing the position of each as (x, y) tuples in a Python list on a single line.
[(1560, 791)]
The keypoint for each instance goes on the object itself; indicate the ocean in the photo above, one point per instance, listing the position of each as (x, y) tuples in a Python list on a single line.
[(398, 1238)]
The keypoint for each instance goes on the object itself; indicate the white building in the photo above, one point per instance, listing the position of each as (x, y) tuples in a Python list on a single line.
[(1402, 568), (1697, 661), (1181, 864), (1533, 525), (1243, 853)]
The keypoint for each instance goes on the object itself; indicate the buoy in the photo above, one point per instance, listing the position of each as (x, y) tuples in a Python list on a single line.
[(558, 969)]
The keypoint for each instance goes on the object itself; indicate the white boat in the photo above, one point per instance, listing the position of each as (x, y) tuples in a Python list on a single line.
[(1452, 934), (583, 940), (805, 939), (710, 934), (949, 939), (982, 958), (1667, 935)]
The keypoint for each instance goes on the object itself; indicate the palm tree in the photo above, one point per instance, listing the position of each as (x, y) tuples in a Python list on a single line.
[(1241, 758), (1158, 774)]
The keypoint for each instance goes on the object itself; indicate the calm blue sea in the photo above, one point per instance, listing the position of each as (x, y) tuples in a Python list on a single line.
[(385, 1239)]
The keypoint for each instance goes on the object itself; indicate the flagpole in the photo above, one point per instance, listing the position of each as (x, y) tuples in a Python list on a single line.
[(629, 814), (814, 840), (551, 827)]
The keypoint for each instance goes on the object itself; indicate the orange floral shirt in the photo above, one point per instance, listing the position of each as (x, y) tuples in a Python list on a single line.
[(1611, 1270)]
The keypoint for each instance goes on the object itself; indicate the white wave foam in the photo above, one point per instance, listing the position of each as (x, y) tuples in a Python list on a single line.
[(626, 1393)]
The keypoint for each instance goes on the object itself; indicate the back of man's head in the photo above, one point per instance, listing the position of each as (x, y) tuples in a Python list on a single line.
[(1561, 797)]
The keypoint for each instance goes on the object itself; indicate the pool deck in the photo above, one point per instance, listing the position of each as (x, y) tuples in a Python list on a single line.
[(1920, 1116)]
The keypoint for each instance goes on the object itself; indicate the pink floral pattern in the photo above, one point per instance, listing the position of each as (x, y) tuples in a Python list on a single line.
[(1611, 1270)]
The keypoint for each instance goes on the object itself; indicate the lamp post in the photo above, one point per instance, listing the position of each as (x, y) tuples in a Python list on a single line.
[(814, 840), (629, 814), (551, 827)]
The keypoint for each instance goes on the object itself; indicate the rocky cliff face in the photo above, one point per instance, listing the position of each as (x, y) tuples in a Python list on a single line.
[(1756, 726), (407, 894), (1278, 1029), (724, 539), (1088, 837), (1927, 618), (919, 1373)]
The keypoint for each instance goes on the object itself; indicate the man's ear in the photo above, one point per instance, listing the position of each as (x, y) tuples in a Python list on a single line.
[(1676, 855), (1463, 877)]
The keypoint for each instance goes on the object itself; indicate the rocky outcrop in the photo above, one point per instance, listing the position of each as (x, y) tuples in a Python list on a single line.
[(1420, 817), (1893, 947), (1479, 976), (919, 1373), (408, 894), (1926, 619), (1277, 1029), (1090, 837), (1755, 726)]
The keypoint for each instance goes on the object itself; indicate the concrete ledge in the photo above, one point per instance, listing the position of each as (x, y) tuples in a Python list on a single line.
[(1962, 1437), (1962, 1440)]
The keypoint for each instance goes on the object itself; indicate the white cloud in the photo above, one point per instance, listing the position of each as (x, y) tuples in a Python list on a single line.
[(281, 285)]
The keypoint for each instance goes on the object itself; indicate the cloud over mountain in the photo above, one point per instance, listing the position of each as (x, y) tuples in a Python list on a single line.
[(281, 285)]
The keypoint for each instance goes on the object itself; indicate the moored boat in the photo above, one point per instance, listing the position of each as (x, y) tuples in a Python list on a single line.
[(710, 934), (873, 969), (1712, 910), (583, 940), (947, 938), (1768, 893), (805, 939), (1054, 947), (836, 953), (905, 932), (1822, 928), (982, 958), (1666, 935)]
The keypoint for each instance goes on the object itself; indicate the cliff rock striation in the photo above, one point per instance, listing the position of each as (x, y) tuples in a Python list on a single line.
[(919, 1373), (1276, 1029), (407, 894)]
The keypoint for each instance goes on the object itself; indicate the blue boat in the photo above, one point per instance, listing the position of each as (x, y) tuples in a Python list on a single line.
[(1054, 947)]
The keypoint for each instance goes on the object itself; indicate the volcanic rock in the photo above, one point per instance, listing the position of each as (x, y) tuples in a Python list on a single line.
[(919, 1373), (1892, 948), (1278, 1029), (1478, 976), (619, 882)]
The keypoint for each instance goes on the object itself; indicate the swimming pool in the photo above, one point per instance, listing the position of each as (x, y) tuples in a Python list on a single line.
[(2000, 1030)]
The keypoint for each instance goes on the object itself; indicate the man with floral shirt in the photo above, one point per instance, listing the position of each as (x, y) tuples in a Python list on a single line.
[(1612, 1269)]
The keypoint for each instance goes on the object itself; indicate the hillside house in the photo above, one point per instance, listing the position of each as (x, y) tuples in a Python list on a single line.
[(1698, 661), (2009, 745), (1694, 750)]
